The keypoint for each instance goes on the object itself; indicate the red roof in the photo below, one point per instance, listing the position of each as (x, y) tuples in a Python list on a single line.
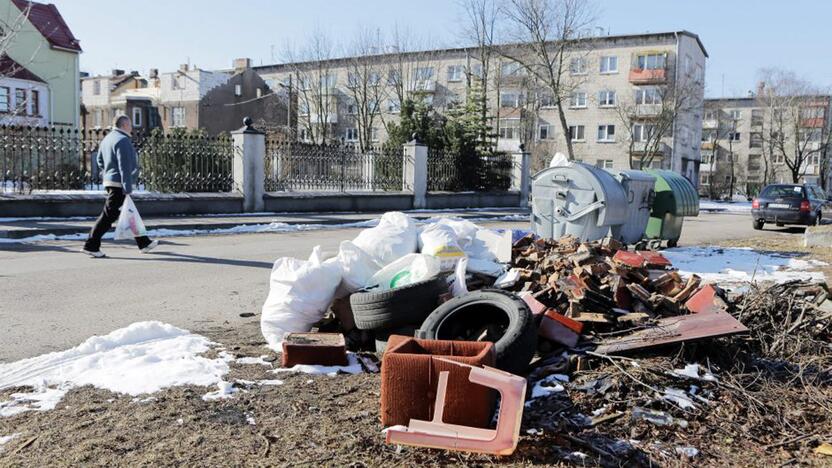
[(11, 69), (48, 20)]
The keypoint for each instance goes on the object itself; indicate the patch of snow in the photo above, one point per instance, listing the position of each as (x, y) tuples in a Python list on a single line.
[(534, 431), (250, 420), (224, 390), (141, 358), (689, 452), (270, 382), (694, 371), (540, 389), (742, 265), (6, 439), (353, 367), (725, 207), (394, 428), (180, 421), (253, 360), (679, 397)]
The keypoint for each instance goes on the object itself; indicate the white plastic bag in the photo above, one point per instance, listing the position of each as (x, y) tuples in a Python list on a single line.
[(407, 270), (440, 240), (393, 238), (358, 266), (300, 291), (459, 286), (129, 223)]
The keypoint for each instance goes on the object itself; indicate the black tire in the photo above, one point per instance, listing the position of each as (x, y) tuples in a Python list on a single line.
[(502, 316), (672, 242), (383, 335), (396, 307), (758, 224)]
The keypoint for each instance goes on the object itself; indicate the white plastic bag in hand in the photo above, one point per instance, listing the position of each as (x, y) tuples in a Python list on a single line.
[(129, 224)]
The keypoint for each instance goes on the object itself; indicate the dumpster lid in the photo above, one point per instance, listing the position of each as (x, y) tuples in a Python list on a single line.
[(685, 199), (633, 174), (606, 189)]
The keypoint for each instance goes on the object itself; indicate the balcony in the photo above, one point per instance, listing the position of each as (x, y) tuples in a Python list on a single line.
[(710, 123), (319, 118), (706, 145), (815, 122), (648, 75), (641, 148), (647, 110), (424, 86)]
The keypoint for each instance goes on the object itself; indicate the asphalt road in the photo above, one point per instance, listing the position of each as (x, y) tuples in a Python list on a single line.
[(52, 297)]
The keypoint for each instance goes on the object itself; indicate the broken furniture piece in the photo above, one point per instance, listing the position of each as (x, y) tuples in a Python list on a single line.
[(324, 349), (438, 434)]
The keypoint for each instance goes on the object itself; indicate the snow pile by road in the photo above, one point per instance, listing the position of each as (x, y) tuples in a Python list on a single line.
[(141, 358), (725, 207), (741, 265), (352, 367)]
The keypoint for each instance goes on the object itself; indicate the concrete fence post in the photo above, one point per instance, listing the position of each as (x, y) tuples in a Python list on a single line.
[(415, 172), (521, 175), (249, 165)]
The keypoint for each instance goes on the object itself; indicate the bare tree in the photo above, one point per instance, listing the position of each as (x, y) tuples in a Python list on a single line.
[(10, 27), (311, 67), (549, 47), (480, 29), (797, 134), (365, 86)]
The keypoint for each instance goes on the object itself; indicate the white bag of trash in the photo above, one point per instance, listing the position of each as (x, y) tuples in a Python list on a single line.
[(358, 266), (300, 291), (407, 270), (129, 223), (394, 237), (441, 241)]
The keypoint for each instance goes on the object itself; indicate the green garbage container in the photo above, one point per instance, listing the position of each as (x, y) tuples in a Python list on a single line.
[(675, 199)]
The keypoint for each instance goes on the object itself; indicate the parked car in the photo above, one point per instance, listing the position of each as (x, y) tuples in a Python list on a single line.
[(781, 204)]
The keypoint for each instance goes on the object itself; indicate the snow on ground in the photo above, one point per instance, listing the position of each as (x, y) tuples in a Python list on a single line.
[(141, 358), (725, 207), (742, 264), (6, 439), (353, 367)]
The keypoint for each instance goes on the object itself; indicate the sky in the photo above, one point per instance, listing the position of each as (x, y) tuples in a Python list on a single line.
[(741, 36)]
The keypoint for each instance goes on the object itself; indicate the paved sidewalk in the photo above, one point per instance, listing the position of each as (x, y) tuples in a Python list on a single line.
[(21, 228)]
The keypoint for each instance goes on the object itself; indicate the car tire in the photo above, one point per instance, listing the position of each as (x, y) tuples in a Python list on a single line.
[(672, 242), (499, 315), (758, 224), (396, 307), (383, 335)]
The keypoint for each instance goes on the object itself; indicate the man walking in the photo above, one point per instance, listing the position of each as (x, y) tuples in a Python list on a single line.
[(119, 167)]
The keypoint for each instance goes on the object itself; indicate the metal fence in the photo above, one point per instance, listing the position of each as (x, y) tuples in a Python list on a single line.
[(297, 166), (35, 159), (449, 172)]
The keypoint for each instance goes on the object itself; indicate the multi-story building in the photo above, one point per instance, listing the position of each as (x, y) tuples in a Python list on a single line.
[(620, 87), (747, 140), (105, 96), (39, 66)]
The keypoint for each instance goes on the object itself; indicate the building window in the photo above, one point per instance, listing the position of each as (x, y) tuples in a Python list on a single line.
[(96, 87), (509, 69), (373, 134), (648, 95), (178, 117), (98, 117), (606, 133), (137, 116), (609, 64), (755, 140), (651, 61), (811, 113), (577, 99), (577, 66), (606, 98), (476, 70), (706, 158), (735, 114), (303, 107), (374, 79), (352, 80), (603, 163), (510, 99), (455, 73), (20, 100), (544, 130), (304, 134), (424, 74), (176, 82), (351, 134), (4, 99), (393, 77), (576, 132), (394, 106), (734, 136), (352, 107), (546, 99), (509, 129), (643, 132)]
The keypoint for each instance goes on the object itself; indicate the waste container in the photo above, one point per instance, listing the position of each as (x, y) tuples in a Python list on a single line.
[(639, 187), (577, 199), (675, 199)]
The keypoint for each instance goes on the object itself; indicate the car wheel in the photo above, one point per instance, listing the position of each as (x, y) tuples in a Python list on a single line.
[(396, 307), (672, 243), (758, 224)]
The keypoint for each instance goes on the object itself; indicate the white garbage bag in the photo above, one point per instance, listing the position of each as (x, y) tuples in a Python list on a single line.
[(300, 291), (441, 241), (129, 223), (358, 266), (407, 270), (559, 159), (395, 236)]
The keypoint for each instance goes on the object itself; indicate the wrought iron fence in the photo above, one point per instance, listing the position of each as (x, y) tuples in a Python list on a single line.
[(298, 166), (34, 159), (453, 173)]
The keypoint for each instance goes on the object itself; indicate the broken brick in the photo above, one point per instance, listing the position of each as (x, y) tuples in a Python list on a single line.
[(324, 349), (706, 300), (629, 259)]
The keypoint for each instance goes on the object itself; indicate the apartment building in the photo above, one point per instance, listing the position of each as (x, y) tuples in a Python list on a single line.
[(190, 97), (618, 84), (741, 140)]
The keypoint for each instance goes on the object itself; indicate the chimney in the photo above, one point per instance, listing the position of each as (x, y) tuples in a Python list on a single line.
[(153, 74), (117, 72), (240, 64), (183, 67)]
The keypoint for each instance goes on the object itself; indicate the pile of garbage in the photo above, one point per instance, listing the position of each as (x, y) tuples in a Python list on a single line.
[(462, 313)]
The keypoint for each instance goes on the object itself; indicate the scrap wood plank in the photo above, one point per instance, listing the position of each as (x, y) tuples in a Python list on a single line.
[(675, 330)]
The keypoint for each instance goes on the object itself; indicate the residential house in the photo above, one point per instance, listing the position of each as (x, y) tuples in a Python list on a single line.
[(40, 65), (105, 96)]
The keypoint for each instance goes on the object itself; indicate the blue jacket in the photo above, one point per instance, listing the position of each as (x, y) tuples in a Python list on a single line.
[(117, 157)]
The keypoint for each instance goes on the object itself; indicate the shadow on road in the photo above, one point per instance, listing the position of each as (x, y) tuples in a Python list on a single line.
[(178, 257)]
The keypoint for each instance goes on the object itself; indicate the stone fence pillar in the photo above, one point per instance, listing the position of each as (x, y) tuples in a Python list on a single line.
[(415, 172), (521, 175), (249, 165)]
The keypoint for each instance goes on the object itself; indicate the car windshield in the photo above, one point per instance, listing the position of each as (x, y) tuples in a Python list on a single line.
[(783, 191)]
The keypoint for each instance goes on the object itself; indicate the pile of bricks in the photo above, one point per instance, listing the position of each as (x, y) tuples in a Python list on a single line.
[(604, 286)]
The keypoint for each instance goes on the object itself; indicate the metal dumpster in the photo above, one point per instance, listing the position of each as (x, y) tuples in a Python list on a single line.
[(639, 187), (675, 198), (576, 199)]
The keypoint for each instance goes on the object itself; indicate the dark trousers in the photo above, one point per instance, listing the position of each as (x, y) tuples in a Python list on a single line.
[(109, 215)]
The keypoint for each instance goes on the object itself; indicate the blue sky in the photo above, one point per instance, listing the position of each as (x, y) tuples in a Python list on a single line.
[(741, 36)]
